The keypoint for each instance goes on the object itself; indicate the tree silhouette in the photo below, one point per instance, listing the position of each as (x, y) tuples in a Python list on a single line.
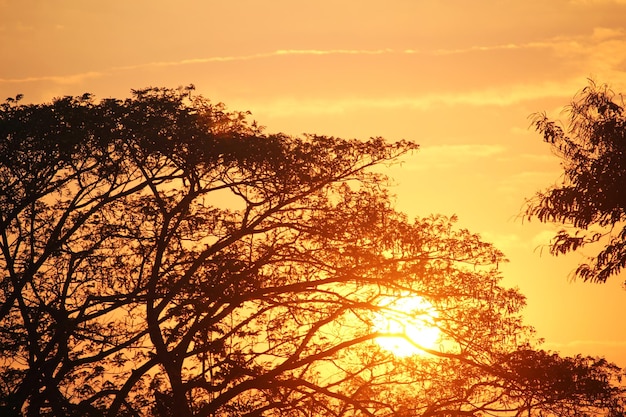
[(163, 256), (593, 153)]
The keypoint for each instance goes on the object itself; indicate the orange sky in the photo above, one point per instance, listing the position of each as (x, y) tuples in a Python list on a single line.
[(458, 77)]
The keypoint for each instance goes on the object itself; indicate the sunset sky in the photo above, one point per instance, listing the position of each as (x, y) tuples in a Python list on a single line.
[(460, 78)]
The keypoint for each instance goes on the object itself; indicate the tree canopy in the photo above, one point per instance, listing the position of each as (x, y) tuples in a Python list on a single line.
[(163, 256), (590, 201)]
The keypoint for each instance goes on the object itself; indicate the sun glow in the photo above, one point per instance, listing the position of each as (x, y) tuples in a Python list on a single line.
[(414, 318)]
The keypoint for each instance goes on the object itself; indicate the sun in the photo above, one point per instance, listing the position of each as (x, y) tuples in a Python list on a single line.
[(414, 317)]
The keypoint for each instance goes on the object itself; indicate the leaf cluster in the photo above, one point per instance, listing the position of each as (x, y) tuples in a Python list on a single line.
[(592, 149)]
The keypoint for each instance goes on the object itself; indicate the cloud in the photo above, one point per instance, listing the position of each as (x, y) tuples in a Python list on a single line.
[(558, 44), (602, 53), (276, 53), (602, 33), (78, 77), (250, 57), (58, 79), (499, 47), (333, 52), (490, 96)]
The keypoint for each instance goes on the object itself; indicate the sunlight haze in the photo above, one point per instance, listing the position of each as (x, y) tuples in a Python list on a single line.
[(414, 318)]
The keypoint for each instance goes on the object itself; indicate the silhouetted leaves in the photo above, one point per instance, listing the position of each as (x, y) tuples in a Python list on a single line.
[(593, 154), (163, 256)]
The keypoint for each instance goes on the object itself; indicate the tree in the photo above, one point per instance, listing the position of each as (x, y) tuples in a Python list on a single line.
[(162, 256), (593, 152)]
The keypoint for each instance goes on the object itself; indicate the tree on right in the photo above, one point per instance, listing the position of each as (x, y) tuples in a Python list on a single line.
[(590, 201)]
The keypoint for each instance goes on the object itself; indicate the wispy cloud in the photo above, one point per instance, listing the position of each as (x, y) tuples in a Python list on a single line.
[(599, 34), (277, 53), (601, 44), (601, 52), (490, 96), (73, 78), (58, 79), (498, 47)]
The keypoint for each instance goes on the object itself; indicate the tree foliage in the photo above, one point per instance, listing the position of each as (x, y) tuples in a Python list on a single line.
[(592, 149), (163, 256)]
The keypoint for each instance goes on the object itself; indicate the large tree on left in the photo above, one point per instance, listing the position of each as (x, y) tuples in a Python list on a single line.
[(161, 256)]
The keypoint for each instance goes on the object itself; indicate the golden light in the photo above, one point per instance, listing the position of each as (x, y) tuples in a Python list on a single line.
[(414, 318)]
